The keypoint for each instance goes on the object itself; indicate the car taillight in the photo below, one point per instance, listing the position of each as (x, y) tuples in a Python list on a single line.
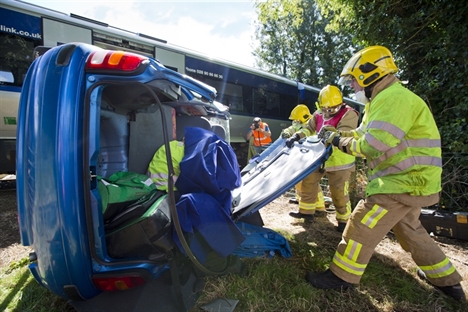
[(115, 60), (118, 283)]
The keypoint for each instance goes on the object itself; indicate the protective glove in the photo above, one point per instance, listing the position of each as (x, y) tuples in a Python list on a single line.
[(324, 129), (285, 135), (291, 140), (332, 138)]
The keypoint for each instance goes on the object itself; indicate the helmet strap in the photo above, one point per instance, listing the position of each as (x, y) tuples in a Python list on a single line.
[(368, 90)]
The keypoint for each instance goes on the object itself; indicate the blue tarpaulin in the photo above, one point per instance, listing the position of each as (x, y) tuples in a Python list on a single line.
[(208, 173), (261, 242)]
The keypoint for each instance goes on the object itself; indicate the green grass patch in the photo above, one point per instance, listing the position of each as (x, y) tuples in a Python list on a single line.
[(276, 284), (19, 291)]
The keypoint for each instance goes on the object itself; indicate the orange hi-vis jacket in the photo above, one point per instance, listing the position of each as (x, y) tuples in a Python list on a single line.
[(260, 139)]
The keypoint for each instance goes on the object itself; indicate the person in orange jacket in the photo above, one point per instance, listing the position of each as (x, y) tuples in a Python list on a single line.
[(261, 134)]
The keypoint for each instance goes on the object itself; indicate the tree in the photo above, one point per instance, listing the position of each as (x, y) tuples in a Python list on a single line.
[(429, 40), (294, 42)]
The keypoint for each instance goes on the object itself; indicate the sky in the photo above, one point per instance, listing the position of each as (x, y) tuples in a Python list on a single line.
[(218, 28)]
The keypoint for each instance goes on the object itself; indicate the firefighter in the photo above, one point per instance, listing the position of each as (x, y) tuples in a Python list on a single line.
[(260, 131), (300, 115), (332, 111), (402, 146), (158, 170)]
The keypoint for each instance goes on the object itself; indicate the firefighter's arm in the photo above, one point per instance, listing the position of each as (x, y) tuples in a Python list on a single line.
[(346, 127)]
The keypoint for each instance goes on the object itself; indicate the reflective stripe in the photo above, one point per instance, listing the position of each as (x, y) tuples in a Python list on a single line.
[(342, 167), (438, 270), (431, 143), (160, 180), (346, 216), (356, 149), (388, 127), (382, 147), (347, 262), (159, 175), (373, 216), (307, 206), (408, 163)]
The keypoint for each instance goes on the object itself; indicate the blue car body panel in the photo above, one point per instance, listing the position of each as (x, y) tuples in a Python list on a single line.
[(57, 149)]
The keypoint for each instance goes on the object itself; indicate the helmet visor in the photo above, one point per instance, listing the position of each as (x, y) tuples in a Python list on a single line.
[(331, 110), (345, 80)]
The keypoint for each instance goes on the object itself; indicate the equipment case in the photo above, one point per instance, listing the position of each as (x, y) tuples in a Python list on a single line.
[(446, 224)]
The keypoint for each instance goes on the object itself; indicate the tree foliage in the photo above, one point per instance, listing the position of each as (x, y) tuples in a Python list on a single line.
[(429, 40), (295, 44)]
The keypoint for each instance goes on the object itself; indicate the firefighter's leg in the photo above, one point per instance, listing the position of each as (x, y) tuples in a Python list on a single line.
[(309, 192), (370, 221), (320, 204), (414, 238), (338, 182), (297, 198), (309, 189)]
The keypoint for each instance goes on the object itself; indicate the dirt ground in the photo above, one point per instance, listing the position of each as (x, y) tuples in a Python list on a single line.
[(275, 216)]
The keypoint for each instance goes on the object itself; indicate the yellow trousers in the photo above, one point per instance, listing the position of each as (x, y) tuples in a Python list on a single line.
[(338, 182), (372, 219)]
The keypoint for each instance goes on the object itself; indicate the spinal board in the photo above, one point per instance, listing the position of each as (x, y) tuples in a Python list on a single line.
[(278, 170)]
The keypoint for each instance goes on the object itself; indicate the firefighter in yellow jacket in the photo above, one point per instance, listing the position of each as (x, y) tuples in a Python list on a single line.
[(158, 170), (332, 112), (300, 116), (402, 146)]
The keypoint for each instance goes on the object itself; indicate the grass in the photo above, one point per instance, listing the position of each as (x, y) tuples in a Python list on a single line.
[(276, 284), (279, 285), (20, 292)]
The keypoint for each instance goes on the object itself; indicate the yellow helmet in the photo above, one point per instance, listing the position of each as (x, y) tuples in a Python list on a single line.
[(300, 112), (330, 96), (368, 65)]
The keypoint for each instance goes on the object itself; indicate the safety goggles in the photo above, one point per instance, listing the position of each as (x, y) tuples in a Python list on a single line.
[(330, 110)]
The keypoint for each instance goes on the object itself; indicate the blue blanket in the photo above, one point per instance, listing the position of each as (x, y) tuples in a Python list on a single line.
[(208, 173), (261, 242)]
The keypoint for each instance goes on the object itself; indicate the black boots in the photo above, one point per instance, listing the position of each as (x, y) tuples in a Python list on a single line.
[(320, 213), (299, 215), (341, 226), (294, 201), (455, 291), (327, 280)]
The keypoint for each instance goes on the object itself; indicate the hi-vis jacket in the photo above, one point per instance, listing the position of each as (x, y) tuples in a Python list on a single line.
[(403, 150), (346, 119), (293, 128), (260, 139), (158, 170)]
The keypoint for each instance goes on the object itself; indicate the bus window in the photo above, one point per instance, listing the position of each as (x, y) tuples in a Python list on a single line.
[(229, 94), (6, 76), (265, 103), (16, 54)]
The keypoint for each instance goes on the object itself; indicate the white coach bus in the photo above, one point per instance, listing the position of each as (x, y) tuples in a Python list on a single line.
[(247, 91)]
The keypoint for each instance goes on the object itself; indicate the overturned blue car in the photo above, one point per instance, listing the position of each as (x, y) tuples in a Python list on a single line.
[(90, 123)]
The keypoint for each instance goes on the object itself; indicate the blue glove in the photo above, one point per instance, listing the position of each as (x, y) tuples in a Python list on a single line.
[(291, 140)]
